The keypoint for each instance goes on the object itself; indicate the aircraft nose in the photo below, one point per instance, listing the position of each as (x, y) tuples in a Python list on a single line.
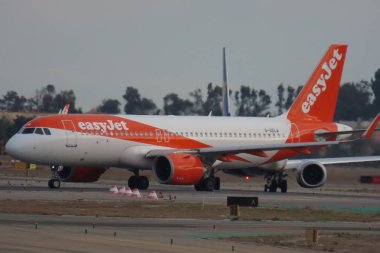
[(10, 146)]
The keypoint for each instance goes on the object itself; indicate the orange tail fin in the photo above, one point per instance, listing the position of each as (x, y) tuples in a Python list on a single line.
[(317, 100)]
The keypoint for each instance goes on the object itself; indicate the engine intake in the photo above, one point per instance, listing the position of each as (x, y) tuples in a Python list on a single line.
[(311, 174), (80, 174), (180, 169)]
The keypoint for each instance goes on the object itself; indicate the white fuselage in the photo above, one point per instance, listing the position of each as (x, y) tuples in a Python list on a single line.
[(127, 148)]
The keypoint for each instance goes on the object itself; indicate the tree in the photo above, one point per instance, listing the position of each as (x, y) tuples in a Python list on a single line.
[(198, 103), (12, 102), (375, 85), (137, 105), (250, 102), (5, 129), (63, 98), (111, 106), (354, 101), (280, 97), (174, 105), (214, 100)]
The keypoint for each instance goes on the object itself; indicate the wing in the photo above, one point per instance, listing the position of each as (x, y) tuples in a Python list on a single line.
[(259, 150), (293, 164)]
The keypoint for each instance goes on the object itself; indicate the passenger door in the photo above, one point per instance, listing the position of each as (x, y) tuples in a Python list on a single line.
[(70, 132)]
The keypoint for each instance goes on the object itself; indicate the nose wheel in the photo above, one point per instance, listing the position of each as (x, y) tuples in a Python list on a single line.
[(54, 183)]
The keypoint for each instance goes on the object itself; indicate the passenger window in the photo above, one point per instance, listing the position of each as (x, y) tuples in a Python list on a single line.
[(47, 131), (28, 130)]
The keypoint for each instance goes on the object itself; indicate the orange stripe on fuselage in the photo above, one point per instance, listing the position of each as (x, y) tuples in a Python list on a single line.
[(96, 123), (303, 132)]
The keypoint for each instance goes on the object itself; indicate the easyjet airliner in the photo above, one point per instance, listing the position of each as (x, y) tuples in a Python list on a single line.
[(189, 150)]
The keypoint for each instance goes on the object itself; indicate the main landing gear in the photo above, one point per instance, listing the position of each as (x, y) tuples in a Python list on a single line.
[(137, 181), (54, 182), (275, 181), (208, 184)]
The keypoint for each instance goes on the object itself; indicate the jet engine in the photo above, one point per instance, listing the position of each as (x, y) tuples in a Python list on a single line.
[(311, 174), (180, 169), (80, 174)]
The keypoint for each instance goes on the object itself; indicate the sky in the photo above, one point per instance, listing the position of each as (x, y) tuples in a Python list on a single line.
[(98, 48)]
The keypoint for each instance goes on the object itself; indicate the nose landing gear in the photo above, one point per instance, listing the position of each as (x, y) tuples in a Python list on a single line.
[(54, 182)]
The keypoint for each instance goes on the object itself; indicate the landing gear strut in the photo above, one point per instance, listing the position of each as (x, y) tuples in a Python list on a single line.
[(54, 182), (275, 181), (139, 182)]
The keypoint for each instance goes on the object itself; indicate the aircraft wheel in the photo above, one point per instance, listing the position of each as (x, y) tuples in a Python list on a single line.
[(209, 184), (273, 186), (198, 187), (54, 183), (217, 183), (142, 183), (132, 182), (284, 186)]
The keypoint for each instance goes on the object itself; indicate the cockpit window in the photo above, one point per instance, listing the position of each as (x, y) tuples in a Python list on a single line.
[(47, 131), (38, 131), (28, 130)]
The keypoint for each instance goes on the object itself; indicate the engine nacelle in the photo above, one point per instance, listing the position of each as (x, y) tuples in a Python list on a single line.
[(180, 169), (311, 174), (80, 174)]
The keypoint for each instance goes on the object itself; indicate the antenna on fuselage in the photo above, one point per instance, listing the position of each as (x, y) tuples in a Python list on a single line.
[(225, 90)]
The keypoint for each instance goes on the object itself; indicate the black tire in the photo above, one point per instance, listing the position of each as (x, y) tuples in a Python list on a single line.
[(265, 188), (217, 183), (142, 183), (198, 187), (209, 184), (54, 184), (50, 184), (284, 186), (132, 182), (273, 186)]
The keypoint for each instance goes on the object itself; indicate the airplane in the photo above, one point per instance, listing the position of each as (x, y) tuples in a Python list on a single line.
[(190, 150)]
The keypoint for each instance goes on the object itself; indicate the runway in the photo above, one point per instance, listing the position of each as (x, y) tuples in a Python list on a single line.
[(67, 233), (344, 200)]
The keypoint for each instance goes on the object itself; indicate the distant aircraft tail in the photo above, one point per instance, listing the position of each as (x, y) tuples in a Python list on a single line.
[(317, 100), (65, 109), (226, 95)]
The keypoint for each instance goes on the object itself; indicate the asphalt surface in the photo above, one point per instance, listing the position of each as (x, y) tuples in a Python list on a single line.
[(114, 234), (47, 233)]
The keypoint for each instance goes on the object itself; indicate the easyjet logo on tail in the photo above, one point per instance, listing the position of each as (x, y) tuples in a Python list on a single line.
[(103, 126), (321, 86)]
